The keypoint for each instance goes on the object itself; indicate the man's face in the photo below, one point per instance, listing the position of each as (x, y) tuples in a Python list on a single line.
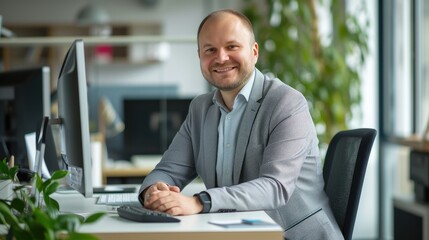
[(227, 52)]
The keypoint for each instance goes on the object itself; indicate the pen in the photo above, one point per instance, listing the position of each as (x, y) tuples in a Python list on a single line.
[(253, 222)]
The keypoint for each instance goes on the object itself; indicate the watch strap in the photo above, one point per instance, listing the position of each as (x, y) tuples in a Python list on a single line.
[(205, 200)]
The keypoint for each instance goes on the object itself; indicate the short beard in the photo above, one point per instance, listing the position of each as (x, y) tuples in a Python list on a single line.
[(228, 87), (231, 86)]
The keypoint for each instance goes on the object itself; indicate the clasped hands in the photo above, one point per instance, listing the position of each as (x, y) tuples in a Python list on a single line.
[(165, 198)]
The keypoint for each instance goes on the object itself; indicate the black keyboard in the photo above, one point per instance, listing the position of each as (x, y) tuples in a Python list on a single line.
[(140, 214)]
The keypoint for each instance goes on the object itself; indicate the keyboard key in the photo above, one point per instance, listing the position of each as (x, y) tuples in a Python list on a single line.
[(117, 199)]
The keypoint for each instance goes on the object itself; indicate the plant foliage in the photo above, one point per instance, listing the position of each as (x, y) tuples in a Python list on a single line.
[(6, 172), (326, 71), (26, 217)]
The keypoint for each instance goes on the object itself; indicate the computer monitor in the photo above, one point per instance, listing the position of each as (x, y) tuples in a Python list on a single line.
[(73, 120), (24, 101), (151, 124)]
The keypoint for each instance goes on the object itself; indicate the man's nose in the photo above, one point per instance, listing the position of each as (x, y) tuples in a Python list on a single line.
[(222, 56)]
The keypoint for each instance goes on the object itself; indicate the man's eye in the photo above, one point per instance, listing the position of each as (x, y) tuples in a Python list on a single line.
[(209, 50)]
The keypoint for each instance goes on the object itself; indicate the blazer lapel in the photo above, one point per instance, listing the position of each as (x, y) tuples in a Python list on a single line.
[(210, 145), (247, 123)]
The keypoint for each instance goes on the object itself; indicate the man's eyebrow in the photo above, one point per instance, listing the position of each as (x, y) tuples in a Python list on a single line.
[(227, 43), (233, 42), (207, 45)]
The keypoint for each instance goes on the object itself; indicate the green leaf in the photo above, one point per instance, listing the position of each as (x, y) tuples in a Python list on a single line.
[(7, 215), (17, 233), (69, 222), (59, 174), (94, 217), (39, 182), (51, 188), (7, 173), (42, 217), (38, 228), (51, 204), (44, 184), (18, 204)]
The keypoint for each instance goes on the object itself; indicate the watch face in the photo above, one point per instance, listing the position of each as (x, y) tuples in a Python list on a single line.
[(204, 197)]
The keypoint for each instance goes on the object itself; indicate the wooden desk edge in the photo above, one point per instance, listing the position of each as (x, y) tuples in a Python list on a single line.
[(249, 235)]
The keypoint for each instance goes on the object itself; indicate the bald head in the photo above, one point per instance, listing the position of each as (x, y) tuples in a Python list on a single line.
[(221, 14), (227, 51)]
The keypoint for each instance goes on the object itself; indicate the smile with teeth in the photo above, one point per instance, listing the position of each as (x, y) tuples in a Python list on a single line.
[(223, 70)]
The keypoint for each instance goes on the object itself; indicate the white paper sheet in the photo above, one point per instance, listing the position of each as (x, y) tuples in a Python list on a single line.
[(30, 142)]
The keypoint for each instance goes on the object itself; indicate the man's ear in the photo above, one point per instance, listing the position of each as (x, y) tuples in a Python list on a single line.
[(256, 50)]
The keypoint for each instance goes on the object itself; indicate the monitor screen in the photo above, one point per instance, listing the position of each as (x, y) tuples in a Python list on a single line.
[(24, 101), (74, 123), (151, 124)]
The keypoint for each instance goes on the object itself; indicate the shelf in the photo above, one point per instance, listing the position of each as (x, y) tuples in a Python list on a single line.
[(414, 142), (139, 166), (123, 43), (126, 172), (92, 41), (46, 44)]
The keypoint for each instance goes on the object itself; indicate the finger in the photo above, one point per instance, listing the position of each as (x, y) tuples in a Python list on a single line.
[(149, 191), (175, 189), (157, 198), (165, 205), (175, 211), (150, 197), (171, 205), (162, 186), (159, 186)]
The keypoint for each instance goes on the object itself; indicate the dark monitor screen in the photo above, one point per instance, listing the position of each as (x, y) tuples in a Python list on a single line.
[(24, 101), (151, 124), (116, 94)]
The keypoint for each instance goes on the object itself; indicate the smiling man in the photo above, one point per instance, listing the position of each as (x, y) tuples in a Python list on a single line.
[(252, 141)]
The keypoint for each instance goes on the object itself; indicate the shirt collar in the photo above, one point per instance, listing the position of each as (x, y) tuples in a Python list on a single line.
[(245, 91)]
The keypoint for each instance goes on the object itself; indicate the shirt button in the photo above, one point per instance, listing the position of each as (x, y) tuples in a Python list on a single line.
[(228, 145)]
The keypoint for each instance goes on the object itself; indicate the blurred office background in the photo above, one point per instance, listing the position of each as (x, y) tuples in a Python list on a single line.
[(394, 93)]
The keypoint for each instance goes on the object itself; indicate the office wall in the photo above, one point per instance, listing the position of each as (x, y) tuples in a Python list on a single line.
[(177, 18)]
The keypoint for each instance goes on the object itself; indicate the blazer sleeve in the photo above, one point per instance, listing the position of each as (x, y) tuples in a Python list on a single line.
[(283, 139)]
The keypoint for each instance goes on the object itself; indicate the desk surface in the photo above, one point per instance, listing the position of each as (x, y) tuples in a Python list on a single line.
[(191, 227)]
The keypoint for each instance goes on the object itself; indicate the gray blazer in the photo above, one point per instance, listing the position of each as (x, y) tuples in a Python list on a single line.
[(277, 166)]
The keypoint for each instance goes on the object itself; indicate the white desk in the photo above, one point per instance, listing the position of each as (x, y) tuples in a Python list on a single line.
[(191, 227)]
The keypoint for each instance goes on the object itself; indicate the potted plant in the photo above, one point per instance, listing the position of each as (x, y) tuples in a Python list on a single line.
[(25, 217)]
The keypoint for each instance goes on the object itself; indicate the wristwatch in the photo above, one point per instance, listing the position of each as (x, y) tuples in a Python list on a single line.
[(205, 200)]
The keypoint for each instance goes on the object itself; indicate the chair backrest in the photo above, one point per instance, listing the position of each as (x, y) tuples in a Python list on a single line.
[(344, 172)]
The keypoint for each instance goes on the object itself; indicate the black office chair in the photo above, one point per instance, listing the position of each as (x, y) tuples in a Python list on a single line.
[(344, 172)]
